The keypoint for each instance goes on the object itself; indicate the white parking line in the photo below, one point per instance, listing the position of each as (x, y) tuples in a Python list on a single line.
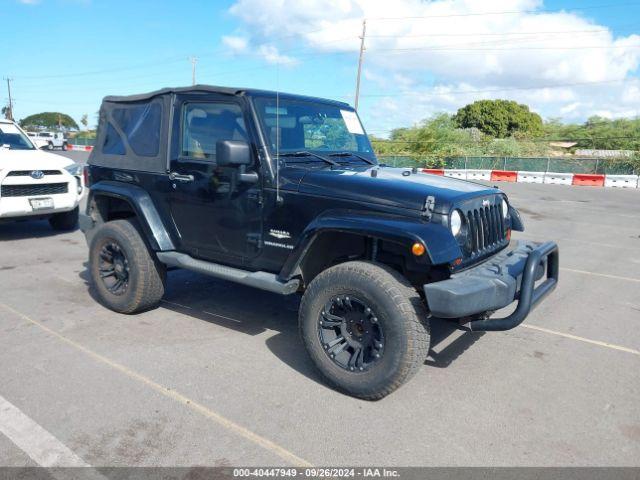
[(604, 275), (582, 339), (42, 447), (206, 412)]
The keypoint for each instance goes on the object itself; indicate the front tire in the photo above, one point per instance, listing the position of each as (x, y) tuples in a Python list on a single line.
[(365, 328), (127, 279), (65, 221)]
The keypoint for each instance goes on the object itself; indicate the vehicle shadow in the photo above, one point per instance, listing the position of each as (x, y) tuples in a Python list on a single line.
[(24, 229), (253, 312)]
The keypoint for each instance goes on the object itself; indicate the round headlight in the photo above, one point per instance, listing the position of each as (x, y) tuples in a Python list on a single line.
[(456, 223), (505, 208)]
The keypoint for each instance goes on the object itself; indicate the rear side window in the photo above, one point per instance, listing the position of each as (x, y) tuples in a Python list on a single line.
[(141, 125), (113, 144)]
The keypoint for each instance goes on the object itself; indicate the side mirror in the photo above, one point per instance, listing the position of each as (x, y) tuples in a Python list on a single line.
[(232, 152)]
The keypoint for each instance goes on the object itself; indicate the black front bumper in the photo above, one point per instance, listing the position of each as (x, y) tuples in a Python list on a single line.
[(495, 284)]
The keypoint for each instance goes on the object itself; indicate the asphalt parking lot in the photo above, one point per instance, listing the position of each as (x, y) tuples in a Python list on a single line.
[(218, 376)]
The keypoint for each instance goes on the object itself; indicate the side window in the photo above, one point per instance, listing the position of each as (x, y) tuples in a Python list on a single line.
[(113, 144), (204, 124), (141, 125)]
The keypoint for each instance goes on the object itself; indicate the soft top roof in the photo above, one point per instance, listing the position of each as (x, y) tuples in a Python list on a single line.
[(213, 89)]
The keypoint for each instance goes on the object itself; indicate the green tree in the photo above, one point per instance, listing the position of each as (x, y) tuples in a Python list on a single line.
[(49, 120), (84, 120), (6, 112), (499, 118)]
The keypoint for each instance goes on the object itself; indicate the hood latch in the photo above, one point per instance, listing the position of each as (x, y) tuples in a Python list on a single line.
[(429, 207)]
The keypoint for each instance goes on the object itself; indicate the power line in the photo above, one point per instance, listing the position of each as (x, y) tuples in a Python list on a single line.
[(480, 34), (457, 49), (509, 12), (498, 90)]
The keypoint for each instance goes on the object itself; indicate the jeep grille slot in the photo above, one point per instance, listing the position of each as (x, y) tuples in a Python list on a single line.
[(33, 190), (486, 229), (27, 173)]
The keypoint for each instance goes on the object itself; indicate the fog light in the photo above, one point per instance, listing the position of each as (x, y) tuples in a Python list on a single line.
[(418, 249)]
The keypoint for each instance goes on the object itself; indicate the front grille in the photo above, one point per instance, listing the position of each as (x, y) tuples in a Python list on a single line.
[(486, 226), (33, 190), (27, 173)]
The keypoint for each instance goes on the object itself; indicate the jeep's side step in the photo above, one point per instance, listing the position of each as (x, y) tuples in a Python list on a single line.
[(262, 280)]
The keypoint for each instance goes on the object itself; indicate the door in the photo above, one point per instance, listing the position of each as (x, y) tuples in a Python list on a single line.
[(217, 216)]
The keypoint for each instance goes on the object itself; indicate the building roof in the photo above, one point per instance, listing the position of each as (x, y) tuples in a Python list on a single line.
[(213, 89)]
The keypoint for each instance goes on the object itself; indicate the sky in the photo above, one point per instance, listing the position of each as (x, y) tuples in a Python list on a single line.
[(568, 59)]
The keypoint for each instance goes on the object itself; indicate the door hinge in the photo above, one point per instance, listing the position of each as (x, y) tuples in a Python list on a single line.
[(255, 195), (255, 239)]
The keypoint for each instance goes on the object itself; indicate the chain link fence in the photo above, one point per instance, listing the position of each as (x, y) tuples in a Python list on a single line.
[(609, 166), (82, 141)]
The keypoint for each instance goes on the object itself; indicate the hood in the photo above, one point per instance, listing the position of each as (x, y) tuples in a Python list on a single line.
[(32, 160), (391, 187)]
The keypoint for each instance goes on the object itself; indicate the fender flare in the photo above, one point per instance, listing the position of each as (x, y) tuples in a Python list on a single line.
[(441, 246), (142, 205)]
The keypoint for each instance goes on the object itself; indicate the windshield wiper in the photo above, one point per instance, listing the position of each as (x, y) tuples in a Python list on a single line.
[(306, 153), (353, 154)]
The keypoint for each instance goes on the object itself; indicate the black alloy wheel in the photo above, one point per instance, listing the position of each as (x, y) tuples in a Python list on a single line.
[(350, 333), (114, 268)]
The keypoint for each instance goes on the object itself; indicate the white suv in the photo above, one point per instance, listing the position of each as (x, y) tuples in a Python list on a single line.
[(37, 184), (49, 140)]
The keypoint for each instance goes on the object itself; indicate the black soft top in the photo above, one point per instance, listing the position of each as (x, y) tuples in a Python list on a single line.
[(214, 89), (133, 130)]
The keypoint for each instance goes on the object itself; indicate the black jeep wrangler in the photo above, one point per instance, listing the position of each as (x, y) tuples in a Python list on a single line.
[(284, 193)]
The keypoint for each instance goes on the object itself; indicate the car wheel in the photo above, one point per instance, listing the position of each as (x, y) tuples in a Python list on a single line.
[(127, 279), (64, 146), (365, 328), (50, 146), (64, 221)]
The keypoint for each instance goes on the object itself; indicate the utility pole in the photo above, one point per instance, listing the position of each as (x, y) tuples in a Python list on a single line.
[(364, 32), (194, 60), (10, 113)]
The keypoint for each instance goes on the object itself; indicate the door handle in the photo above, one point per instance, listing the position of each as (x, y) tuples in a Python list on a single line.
[(180, 178)]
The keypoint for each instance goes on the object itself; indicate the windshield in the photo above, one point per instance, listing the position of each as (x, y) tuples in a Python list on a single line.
[(308, 125), (12, 137)]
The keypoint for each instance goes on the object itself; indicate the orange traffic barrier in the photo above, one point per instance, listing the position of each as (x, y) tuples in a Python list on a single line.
[(504, 176), (588, 180), (433, 171)]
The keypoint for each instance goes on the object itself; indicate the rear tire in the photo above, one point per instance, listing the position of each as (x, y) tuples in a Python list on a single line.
[(65, 221), (126, 277), (382, 322)]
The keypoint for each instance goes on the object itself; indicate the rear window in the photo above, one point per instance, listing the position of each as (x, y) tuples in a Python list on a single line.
[(141, 126)]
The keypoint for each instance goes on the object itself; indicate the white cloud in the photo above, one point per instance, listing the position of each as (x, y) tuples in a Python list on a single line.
[(427, 62), (271, 55), (235, 43)]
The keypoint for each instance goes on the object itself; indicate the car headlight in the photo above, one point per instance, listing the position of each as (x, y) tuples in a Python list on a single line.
[(505, 208), (74, 169), (456, 223)]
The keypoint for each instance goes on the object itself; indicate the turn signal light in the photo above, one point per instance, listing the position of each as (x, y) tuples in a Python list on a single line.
[(509, 235), (418, 249)]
